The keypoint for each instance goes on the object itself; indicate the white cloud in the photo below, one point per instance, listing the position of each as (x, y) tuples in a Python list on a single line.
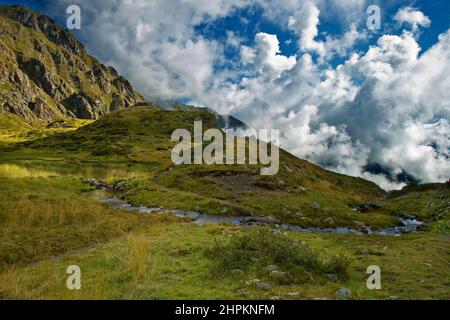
[(305, 23), (266, 57), (413, 17)]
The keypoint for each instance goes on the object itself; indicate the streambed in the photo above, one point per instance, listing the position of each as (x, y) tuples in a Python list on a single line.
[(405, 226)]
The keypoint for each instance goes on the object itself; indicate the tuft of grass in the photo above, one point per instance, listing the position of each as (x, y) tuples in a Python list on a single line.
[(138, 254), (257, 248)]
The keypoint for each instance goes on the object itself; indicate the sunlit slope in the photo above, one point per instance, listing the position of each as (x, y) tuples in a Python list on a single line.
[(301, 192)]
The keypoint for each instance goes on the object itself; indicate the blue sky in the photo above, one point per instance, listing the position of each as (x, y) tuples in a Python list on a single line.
[(343, 96), (248, 21)]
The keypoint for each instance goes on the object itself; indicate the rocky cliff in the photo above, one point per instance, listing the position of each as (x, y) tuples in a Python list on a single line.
[(46, 74)]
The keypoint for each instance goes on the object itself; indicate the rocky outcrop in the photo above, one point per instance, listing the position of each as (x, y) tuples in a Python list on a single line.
[(39, 80), (79, 106), (50, 28)]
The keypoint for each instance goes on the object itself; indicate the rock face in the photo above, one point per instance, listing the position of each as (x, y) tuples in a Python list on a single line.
[(46, 74)]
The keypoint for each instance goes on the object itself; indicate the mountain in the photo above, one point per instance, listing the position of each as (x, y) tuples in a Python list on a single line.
[(46, 74), (48, 77)]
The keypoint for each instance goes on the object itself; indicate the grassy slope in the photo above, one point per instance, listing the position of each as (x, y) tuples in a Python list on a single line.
[(142, 135), (53, 215), (130, 256), (168, 261)]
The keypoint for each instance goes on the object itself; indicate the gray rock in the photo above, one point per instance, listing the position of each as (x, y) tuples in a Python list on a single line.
[(263, 285), (362, 251), (272, 267), (315, 205), (332, 277), (120, 185), (329, 221), (237, 272), (293, 294), (278, 274), (343, 294), (79, 106), (252, 282), (260, 220)]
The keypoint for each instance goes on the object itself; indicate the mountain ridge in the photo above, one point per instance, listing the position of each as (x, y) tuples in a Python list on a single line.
[(46, 73)]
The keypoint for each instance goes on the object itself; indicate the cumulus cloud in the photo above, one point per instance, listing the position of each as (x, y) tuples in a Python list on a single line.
[(413, 17), (266, 57), (305, 23), (389, 107)]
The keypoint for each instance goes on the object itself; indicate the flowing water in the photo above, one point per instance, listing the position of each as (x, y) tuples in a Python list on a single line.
[(23, 169), (405, 226)]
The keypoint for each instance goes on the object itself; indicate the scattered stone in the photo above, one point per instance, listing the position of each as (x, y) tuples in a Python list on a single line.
[(405, 215), (120, 186), (302, 189), (329, 221), (260, 220), (99, 184), (332, 277), (272, 267), (360, 223), (343, 294), (362, 251), (393, 298), (299, 214), (315, 205), (367, 207), (252, 282), (263, 285), (237, 272), (293, 294), (278, 274)]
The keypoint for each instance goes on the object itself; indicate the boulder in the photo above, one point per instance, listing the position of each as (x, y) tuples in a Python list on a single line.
[(343, 294), (315, 206)]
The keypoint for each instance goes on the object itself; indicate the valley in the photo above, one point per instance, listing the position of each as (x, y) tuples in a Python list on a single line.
[(87, 179)]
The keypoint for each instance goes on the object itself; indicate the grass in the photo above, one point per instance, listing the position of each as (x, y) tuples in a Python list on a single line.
[(142, 136), (256, 249), (50, 219), (176, 267), (52, 216)]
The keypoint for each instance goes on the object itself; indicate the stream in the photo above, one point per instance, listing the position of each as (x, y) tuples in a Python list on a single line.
[(405, 225)]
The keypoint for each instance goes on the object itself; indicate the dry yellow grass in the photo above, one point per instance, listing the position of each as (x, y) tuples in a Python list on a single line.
[(50, 217)]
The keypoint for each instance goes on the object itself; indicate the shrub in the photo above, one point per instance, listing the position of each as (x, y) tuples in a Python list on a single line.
[(257, 248)]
